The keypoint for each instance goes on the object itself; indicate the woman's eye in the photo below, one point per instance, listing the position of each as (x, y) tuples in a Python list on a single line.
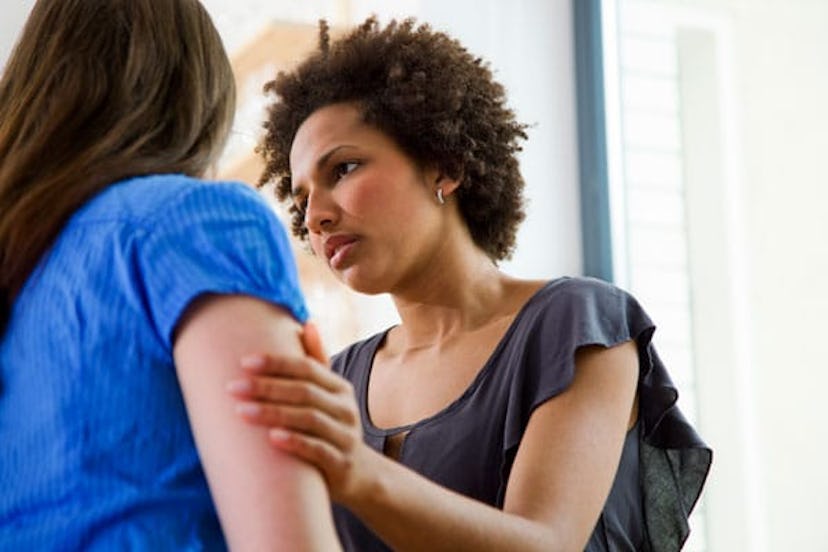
[(344, 169)]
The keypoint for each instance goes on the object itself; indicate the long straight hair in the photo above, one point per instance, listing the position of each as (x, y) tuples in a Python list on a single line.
[(96, 91)]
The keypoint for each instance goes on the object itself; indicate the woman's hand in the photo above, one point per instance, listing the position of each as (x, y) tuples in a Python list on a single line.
[(311, 411)]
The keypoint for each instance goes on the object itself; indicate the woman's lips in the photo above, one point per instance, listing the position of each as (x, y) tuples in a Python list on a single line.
[(337, 248)]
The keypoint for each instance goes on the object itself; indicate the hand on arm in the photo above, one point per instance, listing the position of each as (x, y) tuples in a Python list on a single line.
[(266, 500), (312, 413), (561, 477)]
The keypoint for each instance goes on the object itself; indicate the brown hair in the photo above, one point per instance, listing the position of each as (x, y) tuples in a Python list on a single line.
[(96, 91), (427, 92)]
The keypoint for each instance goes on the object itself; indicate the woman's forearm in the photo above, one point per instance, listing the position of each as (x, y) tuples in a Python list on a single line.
[(410, 512)]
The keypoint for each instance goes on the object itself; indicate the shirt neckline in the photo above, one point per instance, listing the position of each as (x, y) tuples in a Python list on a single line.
[(377, 340)]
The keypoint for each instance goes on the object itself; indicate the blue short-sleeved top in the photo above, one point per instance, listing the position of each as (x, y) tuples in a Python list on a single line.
[(97, 452)]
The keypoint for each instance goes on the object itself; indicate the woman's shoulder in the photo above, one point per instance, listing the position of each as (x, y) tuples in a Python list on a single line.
[(569, 295), (146, 199), (579, 288), (580, 310)]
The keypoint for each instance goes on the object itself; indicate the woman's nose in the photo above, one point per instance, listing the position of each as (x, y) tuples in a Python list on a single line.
[(320, 211)]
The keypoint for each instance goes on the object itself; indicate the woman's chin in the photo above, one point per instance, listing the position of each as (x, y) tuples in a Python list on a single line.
[(360, 282)]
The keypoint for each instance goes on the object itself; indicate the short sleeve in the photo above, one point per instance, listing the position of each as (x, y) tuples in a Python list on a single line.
[(217, 238), (571, 313), (674, 461)]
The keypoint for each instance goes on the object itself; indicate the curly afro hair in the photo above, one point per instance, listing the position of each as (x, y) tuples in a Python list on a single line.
[(427, 92)]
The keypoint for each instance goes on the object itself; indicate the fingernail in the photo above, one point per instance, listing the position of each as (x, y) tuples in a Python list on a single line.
[(252, 362), (248, 409), (279, 434), (240, 386)]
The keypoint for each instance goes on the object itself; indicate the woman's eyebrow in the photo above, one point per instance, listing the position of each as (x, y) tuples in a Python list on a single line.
[(323, 159), (320, 163)]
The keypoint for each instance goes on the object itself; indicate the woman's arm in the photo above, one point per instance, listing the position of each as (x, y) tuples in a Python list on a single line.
[(561, 477), (266, 499)]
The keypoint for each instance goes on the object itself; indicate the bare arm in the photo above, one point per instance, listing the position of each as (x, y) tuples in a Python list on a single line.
[(561, 477), (266, 499)]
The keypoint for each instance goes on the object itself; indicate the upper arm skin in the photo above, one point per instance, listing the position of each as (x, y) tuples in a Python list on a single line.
[(266, 500), (567, 460)]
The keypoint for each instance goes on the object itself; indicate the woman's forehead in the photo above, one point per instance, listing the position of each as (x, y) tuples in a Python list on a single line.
[(329, 127)]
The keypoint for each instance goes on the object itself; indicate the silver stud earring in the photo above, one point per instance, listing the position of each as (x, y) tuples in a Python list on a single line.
[(440, 199)]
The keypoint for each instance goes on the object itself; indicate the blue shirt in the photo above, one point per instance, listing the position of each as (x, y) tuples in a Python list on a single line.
[(97, 452)]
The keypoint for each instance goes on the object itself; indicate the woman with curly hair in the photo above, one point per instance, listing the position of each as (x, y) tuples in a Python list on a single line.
[(500, 414)]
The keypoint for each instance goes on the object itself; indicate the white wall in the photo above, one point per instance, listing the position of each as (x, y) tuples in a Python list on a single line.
[(756, 199), (14, 14), (781, 48), (778, 143)]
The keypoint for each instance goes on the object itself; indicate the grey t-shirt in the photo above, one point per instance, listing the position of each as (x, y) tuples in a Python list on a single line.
[(470, 445)]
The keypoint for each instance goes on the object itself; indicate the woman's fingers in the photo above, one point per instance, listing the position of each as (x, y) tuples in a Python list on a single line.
[(285, 392), (293, 367), (312, 342), (267, 389), (296, 419), (327, 458)]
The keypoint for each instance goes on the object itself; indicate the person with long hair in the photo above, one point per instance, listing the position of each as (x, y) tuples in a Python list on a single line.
[(500, 414), (128, 288)]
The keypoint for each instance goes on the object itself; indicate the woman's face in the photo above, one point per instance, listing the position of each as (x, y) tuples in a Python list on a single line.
[(370, 210)]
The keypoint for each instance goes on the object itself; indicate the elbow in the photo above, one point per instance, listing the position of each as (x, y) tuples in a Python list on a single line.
[(544, 537)]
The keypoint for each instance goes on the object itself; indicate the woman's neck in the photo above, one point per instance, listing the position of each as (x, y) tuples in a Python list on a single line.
[(456, 290), (460, 295)]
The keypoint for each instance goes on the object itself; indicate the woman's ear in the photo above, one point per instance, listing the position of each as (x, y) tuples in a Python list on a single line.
[(446, 183), (439, 178), (440, 182)]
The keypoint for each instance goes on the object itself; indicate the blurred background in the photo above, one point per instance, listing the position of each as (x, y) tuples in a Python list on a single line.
[(677, 148)]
